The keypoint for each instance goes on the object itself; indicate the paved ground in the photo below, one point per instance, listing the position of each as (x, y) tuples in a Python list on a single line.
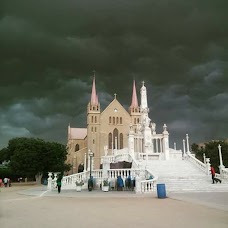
[(26, 207)]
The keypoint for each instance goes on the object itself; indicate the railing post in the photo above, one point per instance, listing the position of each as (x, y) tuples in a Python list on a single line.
[(49, 187), (204, 158), (184, 151), (187, 143)]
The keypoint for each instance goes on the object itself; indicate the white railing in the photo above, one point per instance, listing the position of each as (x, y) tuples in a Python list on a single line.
[(224, 173), (124, 173), (197, 162), (108, 158), (121, 151), (149, 185)]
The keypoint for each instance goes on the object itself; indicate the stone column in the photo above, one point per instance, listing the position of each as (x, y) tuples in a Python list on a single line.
[(49, 187), (221, 161), (84, 163), (116, 143), (187, 142), (92, 165), (175, 146), (184, 151), (166, 142)]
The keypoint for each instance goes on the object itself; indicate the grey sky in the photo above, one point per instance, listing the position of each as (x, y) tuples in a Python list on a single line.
[(48, 50)]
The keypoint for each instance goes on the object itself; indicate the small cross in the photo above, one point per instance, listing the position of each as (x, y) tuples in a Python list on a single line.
[(115, 95), (143, 83)]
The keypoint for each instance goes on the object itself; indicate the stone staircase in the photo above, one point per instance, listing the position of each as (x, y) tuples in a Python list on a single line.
[(183, 176)]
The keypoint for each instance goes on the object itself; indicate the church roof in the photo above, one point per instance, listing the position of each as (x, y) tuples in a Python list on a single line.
[(78, 133)]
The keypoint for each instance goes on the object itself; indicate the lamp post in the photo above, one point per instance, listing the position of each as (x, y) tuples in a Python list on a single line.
[(90, 182), (90, 163)]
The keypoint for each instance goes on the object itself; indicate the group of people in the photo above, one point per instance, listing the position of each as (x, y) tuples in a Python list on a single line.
[(6, 181)]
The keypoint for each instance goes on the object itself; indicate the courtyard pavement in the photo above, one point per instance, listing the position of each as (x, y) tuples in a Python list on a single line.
[(35, 207)]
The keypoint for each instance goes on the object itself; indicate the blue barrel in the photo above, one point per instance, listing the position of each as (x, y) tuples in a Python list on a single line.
[(161, 192)]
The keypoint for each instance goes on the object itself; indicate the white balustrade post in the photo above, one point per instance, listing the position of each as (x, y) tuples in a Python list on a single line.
[(221, 161), (184, 151), (49, 187), (84, 163), (187, 142), (175, 146), (138, 180), (55, 177), (204, 158), (208, 165)]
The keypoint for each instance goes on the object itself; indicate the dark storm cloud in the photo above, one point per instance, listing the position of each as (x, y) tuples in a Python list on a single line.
[(48, 50)]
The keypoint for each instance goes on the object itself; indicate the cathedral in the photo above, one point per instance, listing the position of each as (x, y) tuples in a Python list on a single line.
[(114, 129)]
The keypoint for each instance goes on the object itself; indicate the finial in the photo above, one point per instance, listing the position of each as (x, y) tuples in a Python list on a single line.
[(115, 95), (143, 83), (94, 72)]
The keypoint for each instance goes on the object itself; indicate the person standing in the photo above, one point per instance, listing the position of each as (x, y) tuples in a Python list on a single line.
[(213, 174), (59, 183), (5, 181)]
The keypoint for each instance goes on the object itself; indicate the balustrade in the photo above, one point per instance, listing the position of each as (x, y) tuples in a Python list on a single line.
[(197, 162)]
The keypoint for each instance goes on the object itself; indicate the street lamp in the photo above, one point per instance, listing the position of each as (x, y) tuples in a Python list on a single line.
[(90, 182)]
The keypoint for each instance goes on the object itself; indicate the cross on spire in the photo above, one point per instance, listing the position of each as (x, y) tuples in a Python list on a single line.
[(115, 95), (143, 83)]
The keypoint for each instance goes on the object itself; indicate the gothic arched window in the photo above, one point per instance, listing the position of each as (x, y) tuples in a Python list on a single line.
[(95, 119), (77, 147), (115, 135), (113, 120), (121, 140), (110, 140), (117, 120), (110, 119), (120, 120)]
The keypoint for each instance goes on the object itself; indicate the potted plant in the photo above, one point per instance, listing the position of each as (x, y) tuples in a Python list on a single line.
[(105, 185), (79, 184)]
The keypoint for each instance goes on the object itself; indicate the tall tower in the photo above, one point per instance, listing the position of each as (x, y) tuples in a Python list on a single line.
[(93, 125), (134, 109), (147, 147)]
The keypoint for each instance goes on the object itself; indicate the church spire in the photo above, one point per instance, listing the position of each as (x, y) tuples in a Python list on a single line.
[(94, 97), (134, 101)]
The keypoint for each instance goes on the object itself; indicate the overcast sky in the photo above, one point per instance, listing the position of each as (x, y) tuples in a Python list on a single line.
[(49, 48)]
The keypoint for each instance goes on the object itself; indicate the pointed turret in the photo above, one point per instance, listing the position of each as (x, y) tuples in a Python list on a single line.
[(134, 108), (94, 97), (94, 103), (134, 100), (69, 132)]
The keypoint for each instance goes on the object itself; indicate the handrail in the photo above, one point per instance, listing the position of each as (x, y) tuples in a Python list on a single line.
[(224, 173), (197, 162)]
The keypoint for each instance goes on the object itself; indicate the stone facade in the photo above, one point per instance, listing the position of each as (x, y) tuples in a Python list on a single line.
[(108, 128)]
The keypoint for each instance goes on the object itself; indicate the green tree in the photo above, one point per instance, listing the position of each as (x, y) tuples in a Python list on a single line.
[(4, 155), (211, 151), (35, 157)]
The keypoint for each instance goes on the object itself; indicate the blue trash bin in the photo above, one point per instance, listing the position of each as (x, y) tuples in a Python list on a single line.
[(161, 192)]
